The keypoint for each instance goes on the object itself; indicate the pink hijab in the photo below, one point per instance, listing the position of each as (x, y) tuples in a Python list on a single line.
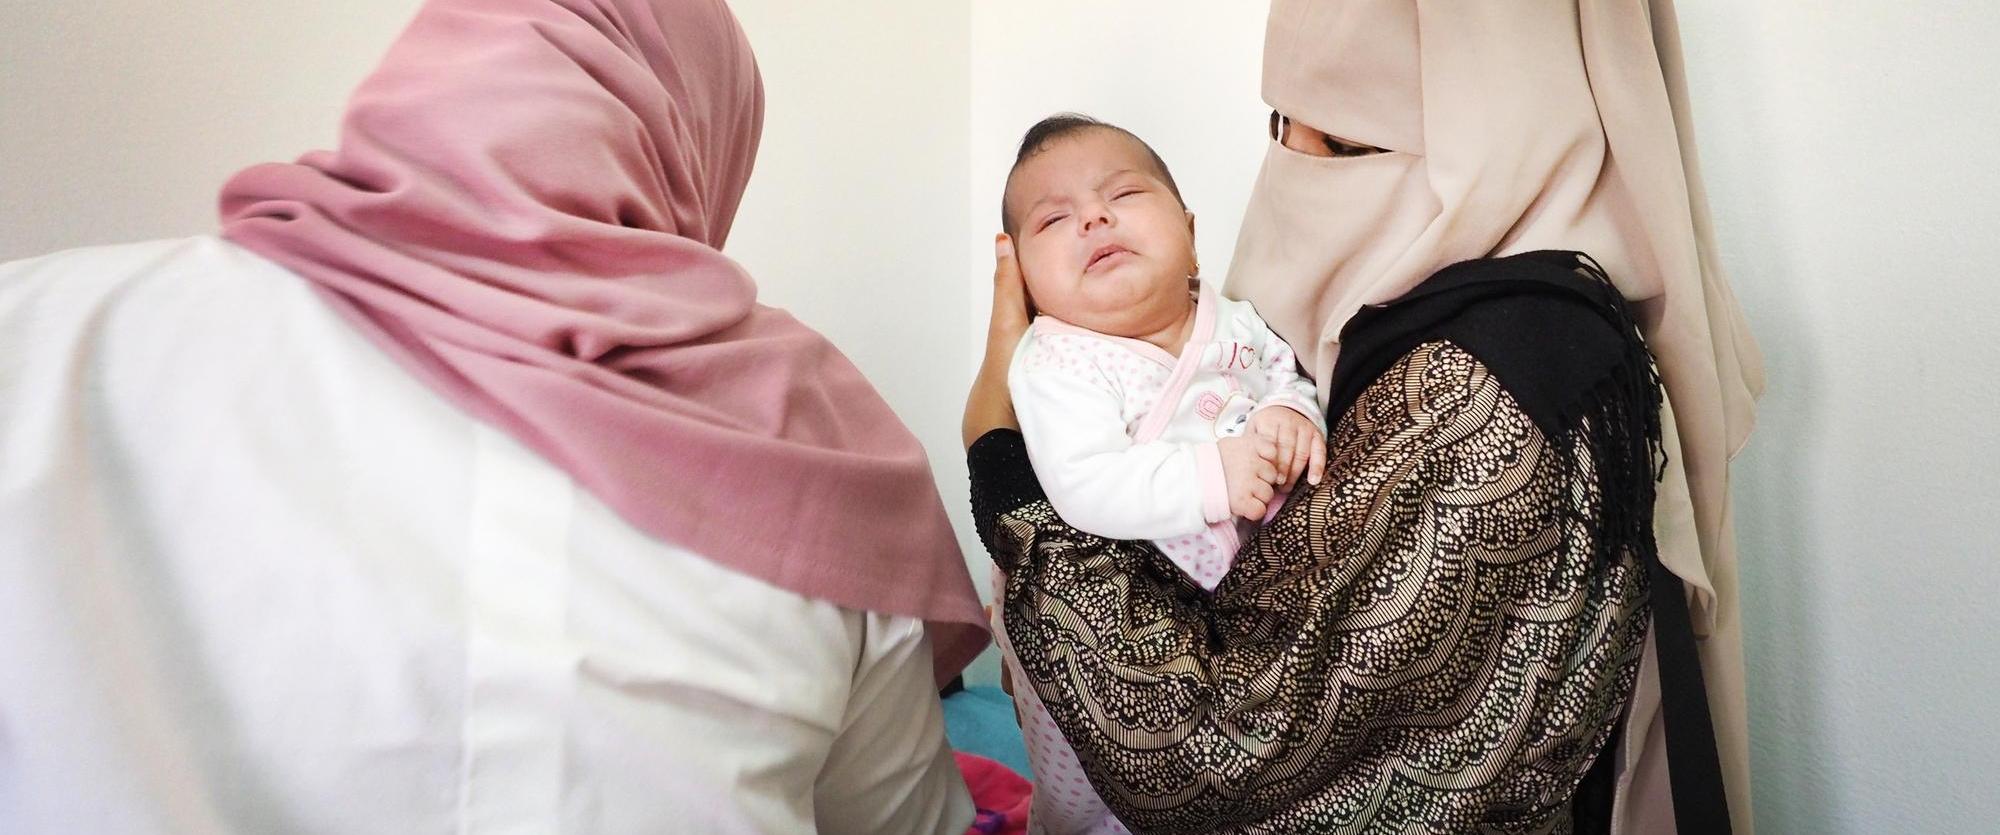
[(525, 210)]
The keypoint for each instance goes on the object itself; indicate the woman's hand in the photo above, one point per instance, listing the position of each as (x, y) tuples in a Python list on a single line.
[(989, 406)]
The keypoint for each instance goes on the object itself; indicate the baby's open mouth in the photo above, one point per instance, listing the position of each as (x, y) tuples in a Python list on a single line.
[(1103, 252)]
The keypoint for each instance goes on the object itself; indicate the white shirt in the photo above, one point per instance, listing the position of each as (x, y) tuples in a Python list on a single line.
[(256, 578)]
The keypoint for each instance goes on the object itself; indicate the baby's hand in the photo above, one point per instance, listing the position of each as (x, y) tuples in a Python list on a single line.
[(1298, 447), (1248, 474)]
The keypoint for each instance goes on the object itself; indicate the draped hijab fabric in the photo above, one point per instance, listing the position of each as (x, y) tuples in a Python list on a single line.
[(526, 209), (1511, 127)]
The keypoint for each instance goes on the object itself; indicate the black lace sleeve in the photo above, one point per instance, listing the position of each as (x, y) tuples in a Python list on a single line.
[(1003, 481)]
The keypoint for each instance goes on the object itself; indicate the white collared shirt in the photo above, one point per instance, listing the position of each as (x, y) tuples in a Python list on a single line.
[(254, 577)]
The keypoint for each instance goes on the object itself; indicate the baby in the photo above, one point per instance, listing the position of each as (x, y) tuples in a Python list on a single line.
[(1153, 408)]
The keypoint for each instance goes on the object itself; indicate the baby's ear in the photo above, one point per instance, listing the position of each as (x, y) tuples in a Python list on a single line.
[(1194, 254)]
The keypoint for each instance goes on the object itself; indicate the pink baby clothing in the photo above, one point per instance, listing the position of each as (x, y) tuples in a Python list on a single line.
[(1123, 435)]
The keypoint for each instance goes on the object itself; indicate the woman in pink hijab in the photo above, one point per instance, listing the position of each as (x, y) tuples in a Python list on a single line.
[(1510, 605), (462, 484)]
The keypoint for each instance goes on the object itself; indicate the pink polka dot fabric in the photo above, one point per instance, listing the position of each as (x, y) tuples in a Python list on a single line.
[(1139, 379), (1204, 556)]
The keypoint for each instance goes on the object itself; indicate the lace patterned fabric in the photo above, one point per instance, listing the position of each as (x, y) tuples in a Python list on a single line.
[(1439, 638)]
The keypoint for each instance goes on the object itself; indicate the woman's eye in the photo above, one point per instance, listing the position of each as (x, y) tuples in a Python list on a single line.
[(1339, 148)]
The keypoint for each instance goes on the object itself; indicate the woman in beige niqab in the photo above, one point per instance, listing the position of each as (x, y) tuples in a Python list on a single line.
[(1427, 641), (1506, 128)]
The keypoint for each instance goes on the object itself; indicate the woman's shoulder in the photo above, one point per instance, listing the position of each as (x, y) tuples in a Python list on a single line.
[(1548, 326)]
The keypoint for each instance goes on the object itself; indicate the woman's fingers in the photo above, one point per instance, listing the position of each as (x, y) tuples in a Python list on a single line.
[(1302, 446), (1011, 309), (1291, 458), (1285, 443), (1316, 470)]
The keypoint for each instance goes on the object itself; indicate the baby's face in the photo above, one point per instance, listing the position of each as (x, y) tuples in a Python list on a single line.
[(1103, 244)]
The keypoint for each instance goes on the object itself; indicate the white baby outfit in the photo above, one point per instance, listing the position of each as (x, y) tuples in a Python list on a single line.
[(1123, 435)]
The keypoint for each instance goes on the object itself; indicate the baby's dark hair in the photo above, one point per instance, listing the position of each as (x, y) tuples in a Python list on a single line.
[(1064, 125)]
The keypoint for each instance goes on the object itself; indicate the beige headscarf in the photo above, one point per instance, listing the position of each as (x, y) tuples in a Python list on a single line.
[(1553, 124)]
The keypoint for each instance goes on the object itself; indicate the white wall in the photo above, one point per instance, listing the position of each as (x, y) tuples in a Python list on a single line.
[(119, 121), (1849, 152), (1850, 160)]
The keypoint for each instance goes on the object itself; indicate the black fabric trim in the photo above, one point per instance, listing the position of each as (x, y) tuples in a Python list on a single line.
[(1693, 765), (1539, 325), (1591, 808)]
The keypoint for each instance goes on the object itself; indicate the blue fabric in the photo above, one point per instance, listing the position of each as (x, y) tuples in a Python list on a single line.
[(980, 720)]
